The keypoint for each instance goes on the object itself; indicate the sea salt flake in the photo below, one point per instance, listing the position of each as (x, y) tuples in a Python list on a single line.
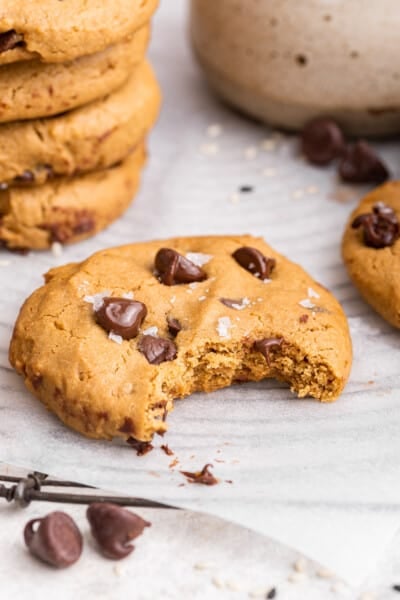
[(266, 280), (209, 149), (172, 299), (153, 331), (312, 293), (240, 306), (56, 249), (193, 285), (223, 327), (202, 298), (115, 338), (306, 303), (128, 295), (250, 153), (198, 258), (97, 299)]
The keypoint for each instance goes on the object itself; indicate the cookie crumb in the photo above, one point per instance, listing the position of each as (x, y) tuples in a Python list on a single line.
[(203, 566), (209, 149), (324, 573), (297, 577), (300, 565), (214, 130), (268, 145), (165, 448), (269, 172), (250, 153), (234, 198)]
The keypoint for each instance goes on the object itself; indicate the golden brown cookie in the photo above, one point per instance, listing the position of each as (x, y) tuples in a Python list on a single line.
[(109, 343), (29, 90), (68, 210), (93, 137), (371, 250), (59, 31)]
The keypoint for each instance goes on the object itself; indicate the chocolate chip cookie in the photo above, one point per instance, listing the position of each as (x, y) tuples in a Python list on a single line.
[(63, 31), (109, 343), (68, 210), (30, 90), (93, 137), (371, 250)]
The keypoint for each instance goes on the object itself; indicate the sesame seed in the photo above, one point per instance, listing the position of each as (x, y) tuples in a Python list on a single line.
[(217, 582), (234, 198), (324, 573), (269, 172), (203, 566), (297, 577), (300, 565)]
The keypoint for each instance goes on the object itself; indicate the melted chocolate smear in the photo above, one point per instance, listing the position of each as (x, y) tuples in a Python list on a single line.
[(204, 476), (56, 540), (157, 350), (360, 164), (122, 316), (173, 268), (254, 261), (380, 228), (322, 141), (113, 527), (264, 346)]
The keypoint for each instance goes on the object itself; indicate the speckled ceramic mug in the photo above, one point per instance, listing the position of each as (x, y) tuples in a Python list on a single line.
[(287, 61)]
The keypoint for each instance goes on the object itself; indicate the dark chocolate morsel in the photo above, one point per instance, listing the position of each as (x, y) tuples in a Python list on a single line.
[(360, 164), (173, 268), (264, 346), (254, 261), (322, 141), (113, 527), (157, 350), (381, 228), (56, 540), (25, 177), (122, 316), (9, 40), (174, 326)]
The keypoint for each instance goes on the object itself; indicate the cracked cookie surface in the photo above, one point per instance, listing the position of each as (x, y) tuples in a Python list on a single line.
[(62, 31), (371, 250), (67, 210), (109, 343), (30, 90), (93, 137)]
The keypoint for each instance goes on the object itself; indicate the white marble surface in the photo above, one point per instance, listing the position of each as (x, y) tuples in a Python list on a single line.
[(324, 479)]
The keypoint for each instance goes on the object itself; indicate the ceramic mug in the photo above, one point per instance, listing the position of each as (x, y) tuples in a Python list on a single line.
[(287, 61)]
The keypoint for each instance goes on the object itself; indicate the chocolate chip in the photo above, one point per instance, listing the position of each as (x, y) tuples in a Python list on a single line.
[(236, 304), (322, 141), (141, 448), (396, 587), (360, 164), (173, 268), (204, 476), (174, 326), (56, 541), (9, 40), (380, 228), (121, 316), (254, 261), (25, 178), (264, 346), (113, 527), (246, 189), (157, 350), (273, 592)]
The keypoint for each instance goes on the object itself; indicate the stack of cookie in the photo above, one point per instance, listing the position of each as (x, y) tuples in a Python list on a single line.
[(77, 99)]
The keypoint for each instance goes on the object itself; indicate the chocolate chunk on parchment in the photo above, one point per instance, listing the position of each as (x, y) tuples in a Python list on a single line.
[(360, 164), (122, 316), (113, 528), (141, 448), (173, 268), (322, 141), (254, 261), (54, 539)]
